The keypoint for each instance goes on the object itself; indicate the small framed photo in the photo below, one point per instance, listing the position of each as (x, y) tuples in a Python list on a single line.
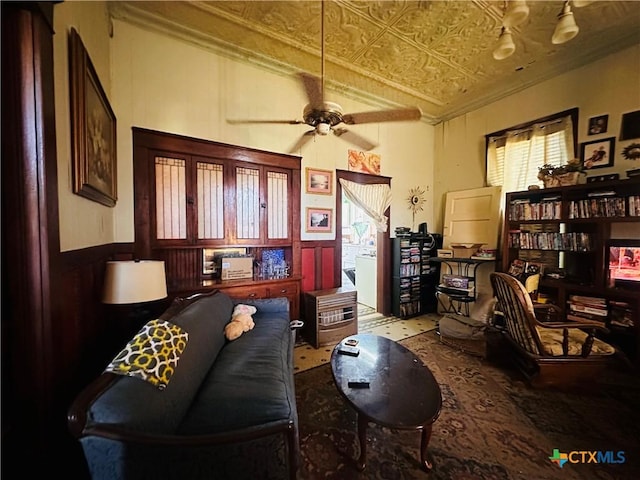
[(319, 219), (597, 154), (319, 181), (598, 124)]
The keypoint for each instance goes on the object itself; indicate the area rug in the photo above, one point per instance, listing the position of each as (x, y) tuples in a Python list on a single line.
[(492, 426)]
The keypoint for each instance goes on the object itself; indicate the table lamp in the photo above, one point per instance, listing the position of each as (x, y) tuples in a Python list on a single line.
[(134, 282)]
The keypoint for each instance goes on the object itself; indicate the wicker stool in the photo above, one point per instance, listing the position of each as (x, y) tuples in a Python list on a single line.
[(463, 333)]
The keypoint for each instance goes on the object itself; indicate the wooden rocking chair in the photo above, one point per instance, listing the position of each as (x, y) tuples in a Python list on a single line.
[(549, 353)]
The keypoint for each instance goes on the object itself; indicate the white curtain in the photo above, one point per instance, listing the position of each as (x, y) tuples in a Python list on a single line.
[(513, 159), (374, 199)]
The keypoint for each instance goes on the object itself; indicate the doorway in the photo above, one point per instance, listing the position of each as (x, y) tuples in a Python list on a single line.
[(359, 254), (380, 261)]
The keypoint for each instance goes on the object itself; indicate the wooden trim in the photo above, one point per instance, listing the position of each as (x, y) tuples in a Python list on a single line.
[(383, 241)]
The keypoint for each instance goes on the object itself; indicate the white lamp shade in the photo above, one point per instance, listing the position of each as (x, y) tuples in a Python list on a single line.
[(516, 13), (566, 28), (135, 281), (505, 45)]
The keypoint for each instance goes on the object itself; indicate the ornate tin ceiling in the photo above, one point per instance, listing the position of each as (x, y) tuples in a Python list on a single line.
[(436, 55)]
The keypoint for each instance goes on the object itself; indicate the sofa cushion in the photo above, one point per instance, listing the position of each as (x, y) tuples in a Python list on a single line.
[(142, 407), (251, 382)]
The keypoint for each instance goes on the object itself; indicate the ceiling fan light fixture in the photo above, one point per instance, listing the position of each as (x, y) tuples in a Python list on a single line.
[(323, 128), (566, 28), (517, 12), (505, 46)]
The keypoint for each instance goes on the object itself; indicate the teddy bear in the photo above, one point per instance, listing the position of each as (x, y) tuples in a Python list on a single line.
[(241, 321)]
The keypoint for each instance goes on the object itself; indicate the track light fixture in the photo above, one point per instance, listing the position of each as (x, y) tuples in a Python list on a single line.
[(505, 46), (516, 12), (566, 28)]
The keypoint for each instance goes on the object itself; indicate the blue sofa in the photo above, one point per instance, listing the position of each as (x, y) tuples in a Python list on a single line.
[(228, 410)]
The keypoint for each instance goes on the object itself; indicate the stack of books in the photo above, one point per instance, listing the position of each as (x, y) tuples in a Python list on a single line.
[(621, 315), (587, 308)]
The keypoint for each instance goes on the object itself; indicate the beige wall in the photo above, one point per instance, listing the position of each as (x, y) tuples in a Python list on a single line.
[(608, 86), (164, 84), (83, 223)]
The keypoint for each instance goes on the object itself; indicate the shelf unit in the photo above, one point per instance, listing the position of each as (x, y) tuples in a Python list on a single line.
[(414, 277), (568, 230)]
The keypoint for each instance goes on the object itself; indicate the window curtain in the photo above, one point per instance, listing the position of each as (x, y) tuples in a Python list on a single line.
[(373, 199), (513, 159)]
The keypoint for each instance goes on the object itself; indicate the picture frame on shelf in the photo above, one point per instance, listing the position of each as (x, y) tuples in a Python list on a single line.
[(319, 219), (319, 181), (598, 125), (598, 153), (93, 129)]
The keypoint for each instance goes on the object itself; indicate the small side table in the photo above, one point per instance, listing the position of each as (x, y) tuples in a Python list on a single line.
[(458, 299)]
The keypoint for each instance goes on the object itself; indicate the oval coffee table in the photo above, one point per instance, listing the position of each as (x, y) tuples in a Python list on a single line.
[(402, 392)]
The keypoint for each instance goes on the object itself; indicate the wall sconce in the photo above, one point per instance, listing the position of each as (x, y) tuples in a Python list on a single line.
[(505, 45), (134, 282), (566, 28)]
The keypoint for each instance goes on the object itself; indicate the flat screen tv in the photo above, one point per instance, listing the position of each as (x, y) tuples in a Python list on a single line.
[(623, 258)]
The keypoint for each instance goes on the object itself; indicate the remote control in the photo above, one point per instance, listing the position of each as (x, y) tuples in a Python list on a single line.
[(358, 383), (347, 350)]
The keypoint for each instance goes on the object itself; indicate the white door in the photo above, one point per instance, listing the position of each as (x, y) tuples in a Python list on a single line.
[(472, 216)]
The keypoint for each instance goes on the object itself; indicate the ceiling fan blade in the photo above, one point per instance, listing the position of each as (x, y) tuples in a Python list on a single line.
[(354, 138), (393, 115), (313, 87), (302, 141), (288, 122)]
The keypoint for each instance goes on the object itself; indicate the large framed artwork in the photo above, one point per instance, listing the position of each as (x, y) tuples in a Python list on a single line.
[(597, 154), (93, 129)]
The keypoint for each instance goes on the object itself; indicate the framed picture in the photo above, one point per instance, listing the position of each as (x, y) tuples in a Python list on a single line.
[(630, 127), (364, 162), (598, 124), (93, 129), (319, 219), (597, 154), (319, 181)]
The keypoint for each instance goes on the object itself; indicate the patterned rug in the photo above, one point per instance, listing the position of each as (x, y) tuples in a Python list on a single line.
[(492, 426)]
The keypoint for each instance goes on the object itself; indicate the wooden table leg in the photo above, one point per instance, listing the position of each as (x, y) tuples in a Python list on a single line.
[(427, 463), (362, 438)]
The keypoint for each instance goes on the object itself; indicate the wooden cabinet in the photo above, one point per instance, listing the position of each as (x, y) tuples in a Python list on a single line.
[(195, 196), (570, 231)]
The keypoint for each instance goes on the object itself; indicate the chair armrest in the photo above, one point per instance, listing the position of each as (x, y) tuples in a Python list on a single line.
[(571, 324)]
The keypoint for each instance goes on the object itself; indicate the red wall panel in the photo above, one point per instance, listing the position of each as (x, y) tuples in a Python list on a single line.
[(308, 269), (327, 268)]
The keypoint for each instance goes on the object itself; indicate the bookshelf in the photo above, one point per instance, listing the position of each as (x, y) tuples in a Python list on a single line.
[(414, 277), (566, 233)]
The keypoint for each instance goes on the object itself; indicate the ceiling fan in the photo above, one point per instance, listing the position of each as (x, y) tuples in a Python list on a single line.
[(325, 117)]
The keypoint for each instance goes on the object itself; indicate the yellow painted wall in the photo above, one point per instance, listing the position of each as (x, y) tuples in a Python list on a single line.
[(608, 86), (83, 223), (164, 84)]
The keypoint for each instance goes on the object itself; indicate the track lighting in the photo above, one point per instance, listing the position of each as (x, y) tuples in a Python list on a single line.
[(505, 45), (516, 12), (566, 28)]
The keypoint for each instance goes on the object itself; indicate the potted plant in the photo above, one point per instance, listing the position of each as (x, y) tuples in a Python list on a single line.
[(558, 176)]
